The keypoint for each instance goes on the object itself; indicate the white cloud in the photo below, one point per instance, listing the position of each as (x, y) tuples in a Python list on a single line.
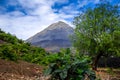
[(40, 15), (82, 3), (85, 2), (34, 16), (24, 27), (70, 9)]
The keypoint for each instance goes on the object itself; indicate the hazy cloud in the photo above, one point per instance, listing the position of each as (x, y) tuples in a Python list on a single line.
[(24, 18), (39, 15)]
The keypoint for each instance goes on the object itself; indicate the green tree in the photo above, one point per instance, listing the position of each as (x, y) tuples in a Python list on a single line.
[(97, 32)]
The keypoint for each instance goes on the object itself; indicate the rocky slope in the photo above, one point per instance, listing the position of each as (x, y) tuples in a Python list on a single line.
[(54, 37)]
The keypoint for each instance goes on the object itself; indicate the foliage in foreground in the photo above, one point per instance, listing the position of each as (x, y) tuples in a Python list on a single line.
[(70, 67), (97, 32)]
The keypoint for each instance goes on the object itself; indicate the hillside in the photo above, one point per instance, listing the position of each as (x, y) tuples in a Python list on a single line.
[(17, 59), (54, 37)]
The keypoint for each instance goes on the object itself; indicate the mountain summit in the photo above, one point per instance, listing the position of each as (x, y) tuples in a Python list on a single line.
[(54, 37)]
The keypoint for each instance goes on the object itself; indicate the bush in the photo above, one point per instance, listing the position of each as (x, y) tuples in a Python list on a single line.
[(7, 52), (33, 55), (70, 67)]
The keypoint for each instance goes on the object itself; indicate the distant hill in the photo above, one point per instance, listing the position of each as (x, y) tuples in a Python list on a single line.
[(54, 37)]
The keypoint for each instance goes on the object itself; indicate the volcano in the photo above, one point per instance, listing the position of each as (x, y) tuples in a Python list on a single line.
[(54, 37)]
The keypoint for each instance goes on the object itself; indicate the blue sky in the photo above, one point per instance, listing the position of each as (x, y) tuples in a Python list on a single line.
[(24, 18)]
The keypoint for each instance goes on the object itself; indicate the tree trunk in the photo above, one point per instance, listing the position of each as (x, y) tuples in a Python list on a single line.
[(95, 61)]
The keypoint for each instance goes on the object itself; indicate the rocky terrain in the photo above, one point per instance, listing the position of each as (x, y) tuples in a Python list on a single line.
[(54, 37)]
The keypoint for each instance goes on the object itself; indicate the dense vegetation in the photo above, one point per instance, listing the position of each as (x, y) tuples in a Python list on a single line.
[(62, 65), (14, 49), (97, 32), (69, 66)]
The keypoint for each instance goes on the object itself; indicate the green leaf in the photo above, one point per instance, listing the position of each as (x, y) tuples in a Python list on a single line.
[(63, 74)]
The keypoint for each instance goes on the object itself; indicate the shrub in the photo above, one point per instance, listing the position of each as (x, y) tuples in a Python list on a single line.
[(7, 52), (33, 55), (70, 67)]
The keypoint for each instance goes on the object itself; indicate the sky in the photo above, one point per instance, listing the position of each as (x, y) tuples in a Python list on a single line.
[(25, 18)]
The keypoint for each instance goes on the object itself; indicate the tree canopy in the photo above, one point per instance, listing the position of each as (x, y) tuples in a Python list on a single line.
[(97, 31)]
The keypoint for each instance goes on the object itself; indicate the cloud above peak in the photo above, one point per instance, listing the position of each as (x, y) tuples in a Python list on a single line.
[(24, 18)]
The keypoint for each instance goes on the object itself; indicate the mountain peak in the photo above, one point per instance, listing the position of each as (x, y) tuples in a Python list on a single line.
[(57, 25), (54, 37), (60, 22)]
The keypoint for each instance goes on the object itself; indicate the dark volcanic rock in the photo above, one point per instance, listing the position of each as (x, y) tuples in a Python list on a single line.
[(54, 37)]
